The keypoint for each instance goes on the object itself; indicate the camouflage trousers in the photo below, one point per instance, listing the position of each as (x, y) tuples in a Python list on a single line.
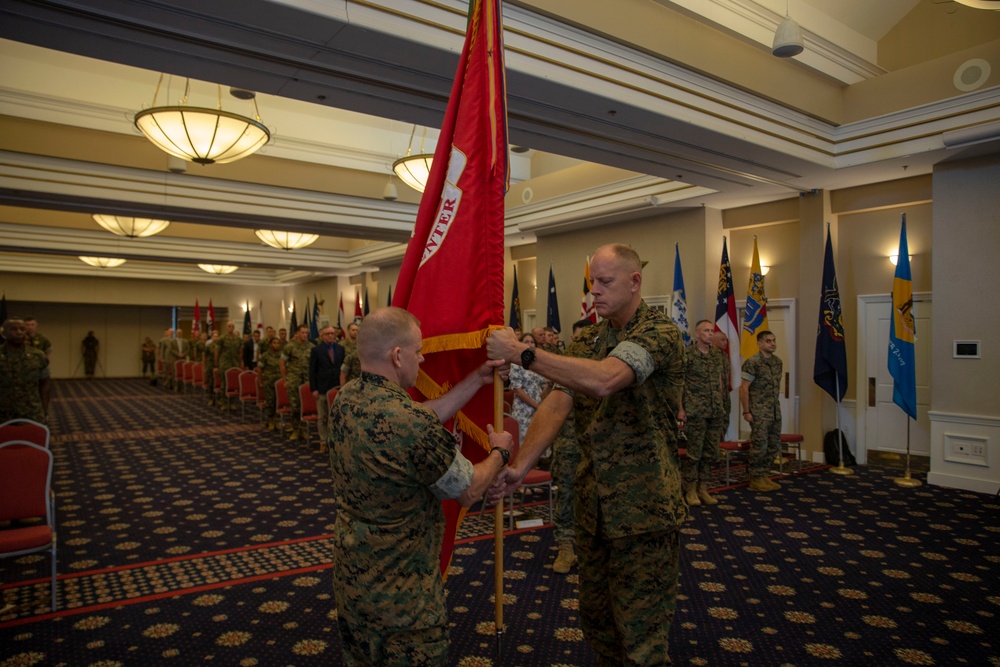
[(565, 459), (398, 648), (765, 444), (703, 437), (292, 386), (628, 595), (270, 394)]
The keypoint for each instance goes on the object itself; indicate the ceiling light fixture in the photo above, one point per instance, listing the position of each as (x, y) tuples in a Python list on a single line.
[(103, 262), (414, 170), (199, 134), (217, 269), (981, 4), (787, 38), (130, 227), (285, 240)]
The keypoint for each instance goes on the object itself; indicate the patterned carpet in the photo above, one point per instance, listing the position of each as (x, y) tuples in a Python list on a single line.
[(189, 538)]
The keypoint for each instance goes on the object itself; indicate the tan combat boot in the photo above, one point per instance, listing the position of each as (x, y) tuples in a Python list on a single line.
[(759, 484), (691, 495), (293, 434), (565, 560), (271, 425), (771, 483), (705, 497)]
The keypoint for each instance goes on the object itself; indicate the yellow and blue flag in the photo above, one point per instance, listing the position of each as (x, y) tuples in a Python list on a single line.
[(903, 333), (755, 311)]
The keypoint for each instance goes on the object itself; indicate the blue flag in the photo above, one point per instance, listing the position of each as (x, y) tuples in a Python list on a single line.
[(246, 320), (515, 306), (388, 301), (678, 302), (903, 332), (552, 316), (294, 326), (314, 322), (305, 316), (364, 313), (830, 367)]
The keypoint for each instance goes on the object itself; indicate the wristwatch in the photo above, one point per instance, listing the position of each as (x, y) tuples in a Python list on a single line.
[(503, 453), (527, 358)]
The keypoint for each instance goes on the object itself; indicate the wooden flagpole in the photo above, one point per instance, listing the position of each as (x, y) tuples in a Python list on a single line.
[(498, 517)]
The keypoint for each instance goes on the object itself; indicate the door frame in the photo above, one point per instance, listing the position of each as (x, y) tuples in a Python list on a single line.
[(861, 370)]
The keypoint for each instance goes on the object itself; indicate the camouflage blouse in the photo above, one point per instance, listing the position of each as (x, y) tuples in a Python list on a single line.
[(386, 452), (629, 473)]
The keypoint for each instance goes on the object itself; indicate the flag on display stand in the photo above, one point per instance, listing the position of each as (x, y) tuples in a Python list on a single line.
[(358, 313), (452, 275), (246, 320), (305, 319), (515, 306), (260, 317), (388, 301), (196, 321), (587, 310), (903, 332), (211, 319), (755, 311), (725, 316), (314, 322), (293, 328), (365, 312), (552, 308), (678, 302), (341, 318), (830, 367), (3, 308)]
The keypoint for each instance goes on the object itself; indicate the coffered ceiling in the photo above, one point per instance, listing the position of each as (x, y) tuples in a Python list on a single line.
[(658, 104)]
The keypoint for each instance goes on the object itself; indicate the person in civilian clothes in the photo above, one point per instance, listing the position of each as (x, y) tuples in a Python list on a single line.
[(325, 362)]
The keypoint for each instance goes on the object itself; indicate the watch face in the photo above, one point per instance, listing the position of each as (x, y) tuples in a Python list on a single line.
[(527, 357)]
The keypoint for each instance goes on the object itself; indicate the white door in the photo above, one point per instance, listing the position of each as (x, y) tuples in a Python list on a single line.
[(781, 321), (885, 422)]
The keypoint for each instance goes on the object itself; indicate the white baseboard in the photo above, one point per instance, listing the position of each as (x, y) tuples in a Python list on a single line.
[(964, 483)]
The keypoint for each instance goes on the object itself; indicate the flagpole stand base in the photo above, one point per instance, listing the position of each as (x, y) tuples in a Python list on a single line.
[(499, 645), (842, 470), (906, 480)]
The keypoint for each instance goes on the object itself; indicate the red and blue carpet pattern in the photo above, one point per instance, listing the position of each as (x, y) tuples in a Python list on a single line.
[(188, 538)]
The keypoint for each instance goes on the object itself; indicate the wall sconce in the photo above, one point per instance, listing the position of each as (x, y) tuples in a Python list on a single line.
[(764, 268), (895, 258)]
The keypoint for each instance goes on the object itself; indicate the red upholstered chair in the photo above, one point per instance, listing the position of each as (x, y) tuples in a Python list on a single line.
[(508, 402), (730, 448), (534, 479), (25, 429), (248, 392), (308, 413), (232, 377), (179, 375), (789, 442), (282, 405), (189, 382), (198, 376), (216, 383), (25, 493), (331, 395)]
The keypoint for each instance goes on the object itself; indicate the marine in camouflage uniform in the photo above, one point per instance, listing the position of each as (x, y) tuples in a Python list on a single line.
[(759, 400), (295, 370), (24, 375), (210, 365), (268, 372), (229, 349), (702, 412), (351, 367), (629, 505), (392, 464)]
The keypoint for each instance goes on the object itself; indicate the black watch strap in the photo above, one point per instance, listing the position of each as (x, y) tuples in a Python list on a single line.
[(503, 453), (527, 358)]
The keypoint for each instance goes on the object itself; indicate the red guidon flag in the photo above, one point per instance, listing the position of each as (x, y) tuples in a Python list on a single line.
[(451, 278)]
